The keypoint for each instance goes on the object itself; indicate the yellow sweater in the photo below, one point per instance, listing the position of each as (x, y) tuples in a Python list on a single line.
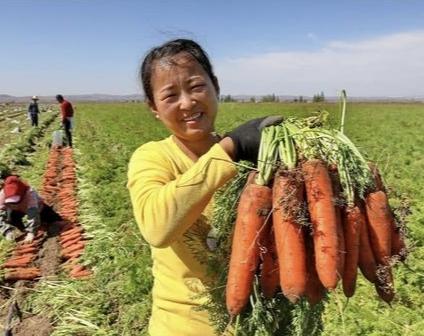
[(171, 196)]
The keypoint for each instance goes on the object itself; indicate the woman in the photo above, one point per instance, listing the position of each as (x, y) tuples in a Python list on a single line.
[(172, 181)]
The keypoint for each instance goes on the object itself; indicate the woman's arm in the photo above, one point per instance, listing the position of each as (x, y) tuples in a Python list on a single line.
[(165, 205)]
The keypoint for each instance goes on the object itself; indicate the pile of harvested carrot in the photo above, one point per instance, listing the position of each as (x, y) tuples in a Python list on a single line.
[(59, 188), (19, 265), (313, 212), (72, 238)]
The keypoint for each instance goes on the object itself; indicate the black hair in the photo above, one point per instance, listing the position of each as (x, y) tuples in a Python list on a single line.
[(169, 49), (59, 97)]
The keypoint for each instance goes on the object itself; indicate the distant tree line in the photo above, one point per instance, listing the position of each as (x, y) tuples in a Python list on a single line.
[(272, 98), (319, 97)]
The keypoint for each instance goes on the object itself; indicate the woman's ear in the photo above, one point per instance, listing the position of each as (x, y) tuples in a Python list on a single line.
[(152, 108)]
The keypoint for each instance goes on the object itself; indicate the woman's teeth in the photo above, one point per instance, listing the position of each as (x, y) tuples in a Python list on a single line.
[(193, 117)]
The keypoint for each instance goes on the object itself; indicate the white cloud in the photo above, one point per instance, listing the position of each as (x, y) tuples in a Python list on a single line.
[(391, 65)]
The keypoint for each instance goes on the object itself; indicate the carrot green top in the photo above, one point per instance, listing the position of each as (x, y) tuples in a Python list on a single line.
[(171, 197)]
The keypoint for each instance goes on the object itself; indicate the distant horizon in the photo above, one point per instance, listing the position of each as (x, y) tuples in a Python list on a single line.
[(236, 96)]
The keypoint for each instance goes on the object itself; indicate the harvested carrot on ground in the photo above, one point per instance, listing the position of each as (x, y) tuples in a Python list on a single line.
[(74, 247), (20, 251), (81, 273), (28, 273), (70, 237), (20, 261), (73, 254), (73, 241)]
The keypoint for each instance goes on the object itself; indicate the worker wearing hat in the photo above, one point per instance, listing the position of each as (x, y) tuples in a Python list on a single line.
[(33, 111), (17, 200)]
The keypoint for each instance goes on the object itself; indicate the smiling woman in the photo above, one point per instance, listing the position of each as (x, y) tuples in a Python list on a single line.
[(172, 181), (185, 100)]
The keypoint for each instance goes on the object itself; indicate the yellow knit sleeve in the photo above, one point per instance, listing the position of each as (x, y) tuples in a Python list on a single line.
[(165, 205)]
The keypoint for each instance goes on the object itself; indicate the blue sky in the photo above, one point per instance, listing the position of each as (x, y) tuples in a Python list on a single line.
[(301, 47)]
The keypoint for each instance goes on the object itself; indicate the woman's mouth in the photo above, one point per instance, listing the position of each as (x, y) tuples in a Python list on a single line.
[(193, 118)]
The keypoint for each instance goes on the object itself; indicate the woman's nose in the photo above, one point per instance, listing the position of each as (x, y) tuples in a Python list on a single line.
[(186, 101)]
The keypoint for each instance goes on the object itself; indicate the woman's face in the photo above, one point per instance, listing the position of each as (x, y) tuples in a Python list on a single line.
[(185, 99)]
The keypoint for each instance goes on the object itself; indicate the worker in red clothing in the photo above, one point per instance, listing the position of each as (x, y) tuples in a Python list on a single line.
[(67, 113)]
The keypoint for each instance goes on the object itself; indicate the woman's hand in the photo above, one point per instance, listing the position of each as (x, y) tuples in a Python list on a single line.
[(242, 143)]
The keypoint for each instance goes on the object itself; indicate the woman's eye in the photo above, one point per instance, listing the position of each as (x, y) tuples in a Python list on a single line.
[(169, 96), (198, 87)]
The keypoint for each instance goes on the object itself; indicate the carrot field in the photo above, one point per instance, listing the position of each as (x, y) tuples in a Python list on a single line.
[(116, 299)]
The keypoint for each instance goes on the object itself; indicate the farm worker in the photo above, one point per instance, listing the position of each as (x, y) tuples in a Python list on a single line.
[(172, 181), (17, 200), (67, 114), (33, 111)]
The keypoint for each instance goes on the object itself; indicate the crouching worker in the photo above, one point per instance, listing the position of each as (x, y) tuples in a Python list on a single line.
[(17, 200)]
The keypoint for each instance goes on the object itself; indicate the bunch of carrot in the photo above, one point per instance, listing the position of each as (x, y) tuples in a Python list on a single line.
[(313, 213)]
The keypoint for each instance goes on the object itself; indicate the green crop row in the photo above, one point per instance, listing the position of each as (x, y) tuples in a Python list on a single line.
[(16, 154)]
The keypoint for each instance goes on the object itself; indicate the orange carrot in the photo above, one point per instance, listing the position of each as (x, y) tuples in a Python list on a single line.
[(324, 223), (335, 183), (384, 284), (380, 221), (366, 261), (21, 251), (70, 237), (287, 196), (379, 185), (73, 254), (20, 261), (29, 273), (253, 209), (71, 242), (70, 263), (269, 279), (81, 274), (398, 243), (77, 229), (397, 237), (74, 247), (353, 220), (315, 291)]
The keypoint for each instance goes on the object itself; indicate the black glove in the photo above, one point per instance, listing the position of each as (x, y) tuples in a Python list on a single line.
[(247, 137)]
